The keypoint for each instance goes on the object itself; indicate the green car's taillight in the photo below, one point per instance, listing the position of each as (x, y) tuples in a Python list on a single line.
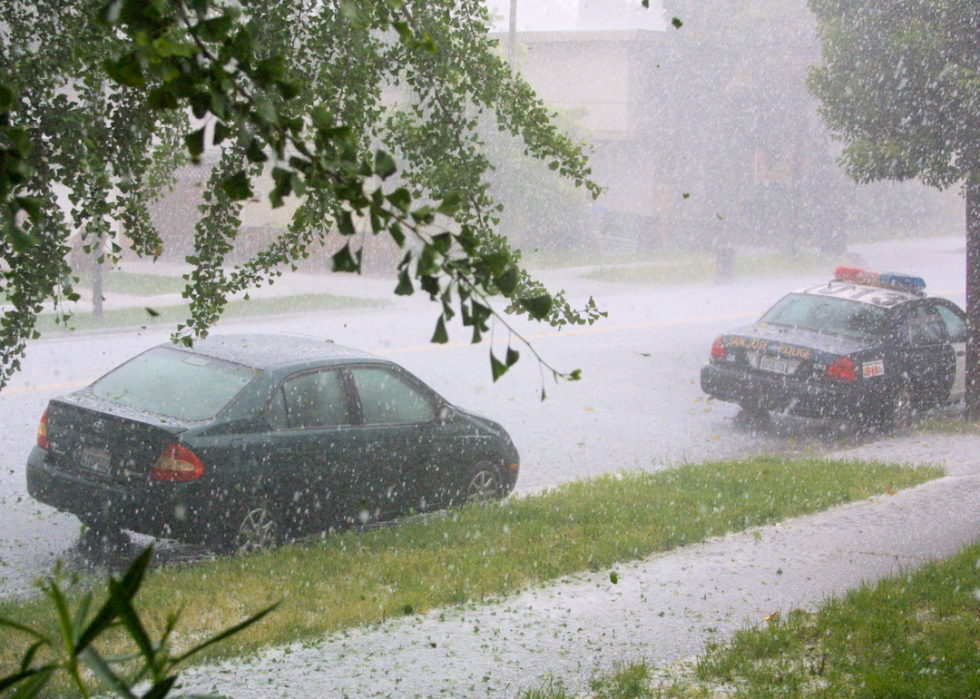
[(42, 432), (177, 463)]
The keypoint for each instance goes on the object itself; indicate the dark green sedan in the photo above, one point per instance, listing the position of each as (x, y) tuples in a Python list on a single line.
[(246, 440)]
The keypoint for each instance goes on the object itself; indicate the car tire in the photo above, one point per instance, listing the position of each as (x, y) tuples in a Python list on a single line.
[(259, 529), (103, 537), (753, 416), (899, 412), (484, 483)]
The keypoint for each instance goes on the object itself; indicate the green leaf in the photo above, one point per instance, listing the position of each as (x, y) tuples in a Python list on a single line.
[(321, 117), (442, 242), (270, 70), (468, 240), (200, 104), (430, 284), (344, 261), (384, 165), (345, 223), (538, 307), (265, 110), (255, 618), (676, 22), (497, 367), (126, 71), (221, 132), (423, 214), (507, 282), (25, 629), (395, 231), (404, 287), (496, 263), (401, 199), (440, 336), (100, 668), (161, 689), (427, 261), (127, 587), (289, 89), (215, 29), (33, 681), (512, 356), (238, 187), (195, 142), (7, 98), (255, 153), (353, 14), (450, 204), (162, 98)]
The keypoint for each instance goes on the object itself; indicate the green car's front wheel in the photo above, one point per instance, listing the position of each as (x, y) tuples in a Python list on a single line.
[(260, 529)]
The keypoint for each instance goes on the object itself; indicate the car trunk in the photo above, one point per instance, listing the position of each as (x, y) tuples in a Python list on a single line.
[(790, 353), (103, 441)]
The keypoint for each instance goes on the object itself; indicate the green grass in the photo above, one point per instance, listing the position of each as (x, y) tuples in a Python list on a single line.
[(168, 315), (948, 424), (476, 553), (915, 635), (135, 283), (702, 267), (542, 259)]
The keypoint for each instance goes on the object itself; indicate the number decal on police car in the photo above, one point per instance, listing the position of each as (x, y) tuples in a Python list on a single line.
[(875, 368)]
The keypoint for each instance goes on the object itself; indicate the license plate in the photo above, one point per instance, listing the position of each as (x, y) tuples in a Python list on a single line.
[(777, 366), (95, 459)]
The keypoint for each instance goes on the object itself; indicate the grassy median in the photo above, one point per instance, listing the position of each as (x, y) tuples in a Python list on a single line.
[(909, 636), (172, 315), (478, 552)]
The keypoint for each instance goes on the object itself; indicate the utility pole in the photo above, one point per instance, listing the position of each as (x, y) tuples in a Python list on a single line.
[(512, 36)]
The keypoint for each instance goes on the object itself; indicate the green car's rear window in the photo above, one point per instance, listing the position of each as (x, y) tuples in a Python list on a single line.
[(175, 384)]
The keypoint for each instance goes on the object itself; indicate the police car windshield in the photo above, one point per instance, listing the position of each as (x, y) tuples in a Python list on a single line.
[(828, 314)]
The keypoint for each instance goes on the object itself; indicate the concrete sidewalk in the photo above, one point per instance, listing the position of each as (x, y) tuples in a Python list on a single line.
[(663, 609)]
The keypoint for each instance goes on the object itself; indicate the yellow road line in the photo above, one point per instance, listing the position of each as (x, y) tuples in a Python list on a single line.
[(420, 348), (581, 331)]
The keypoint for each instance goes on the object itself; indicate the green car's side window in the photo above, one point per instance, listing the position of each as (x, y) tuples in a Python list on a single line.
[(316, 399), (387, 398)]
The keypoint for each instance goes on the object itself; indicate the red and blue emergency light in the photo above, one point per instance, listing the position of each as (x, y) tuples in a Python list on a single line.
[(886, 280)]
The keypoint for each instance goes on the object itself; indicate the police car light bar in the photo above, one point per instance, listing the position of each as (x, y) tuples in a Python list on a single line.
[(887, 280)]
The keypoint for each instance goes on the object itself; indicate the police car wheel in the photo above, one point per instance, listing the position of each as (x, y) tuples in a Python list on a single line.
[(898, 415), (752, 416)]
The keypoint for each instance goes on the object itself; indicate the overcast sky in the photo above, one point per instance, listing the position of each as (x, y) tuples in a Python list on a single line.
[(578, 15)]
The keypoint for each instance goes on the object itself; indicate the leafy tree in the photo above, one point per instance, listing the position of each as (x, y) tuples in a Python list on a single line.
[(103, 100), (900, 86)]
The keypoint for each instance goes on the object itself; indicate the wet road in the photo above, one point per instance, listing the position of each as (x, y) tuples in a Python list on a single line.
[(638, 404)]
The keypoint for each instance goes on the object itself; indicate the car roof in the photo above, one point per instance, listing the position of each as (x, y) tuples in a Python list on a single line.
[(266, 351), (863, 293)]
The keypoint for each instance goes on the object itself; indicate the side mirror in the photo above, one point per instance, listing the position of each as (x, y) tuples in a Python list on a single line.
[(445, 412)]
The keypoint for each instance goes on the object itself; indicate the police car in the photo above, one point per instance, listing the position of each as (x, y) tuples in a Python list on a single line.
[(866, 346)]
